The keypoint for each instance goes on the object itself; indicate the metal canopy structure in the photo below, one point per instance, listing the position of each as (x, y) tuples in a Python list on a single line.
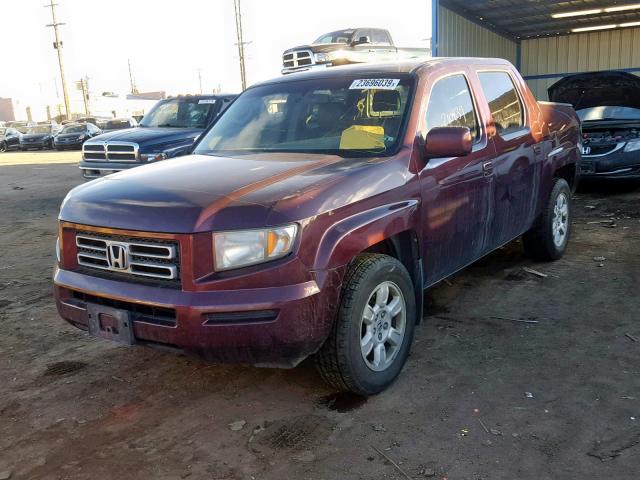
[(525, 19), (546, 40)]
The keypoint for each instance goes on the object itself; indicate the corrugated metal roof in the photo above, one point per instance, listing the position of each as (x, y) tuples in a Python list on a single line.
[(521, 19)]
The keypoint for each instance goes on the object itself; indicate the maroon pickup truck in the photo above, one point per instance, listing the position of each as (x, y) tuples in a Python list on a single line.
[(312, 215)]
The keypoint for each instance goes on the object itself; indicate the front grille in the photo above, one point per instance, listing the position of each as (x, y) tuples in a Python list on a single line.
[(128, 255), (602, 149), (110, 151), (298, 58), (140, 312)]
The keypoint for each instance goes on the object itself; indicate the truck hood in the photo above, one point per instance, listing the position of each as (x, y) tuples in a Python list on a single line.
[(587, 90), (147, 136), (197, 193)]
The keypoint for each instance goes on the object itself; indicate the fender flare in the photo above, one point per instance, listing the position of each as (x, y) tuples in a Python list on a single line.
[(348, 237)]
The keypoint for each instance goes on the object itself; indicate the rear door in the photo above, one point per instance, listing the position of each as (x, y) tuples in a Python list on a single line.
[(456, 191), (517, 165)]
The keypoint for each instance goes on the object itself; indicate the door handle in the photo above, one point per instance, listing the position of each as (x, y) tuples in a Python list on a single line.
[(487, 168)]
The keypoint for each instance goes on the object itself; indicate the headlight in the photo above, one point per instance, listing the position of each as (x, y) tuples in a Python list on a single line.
[(632, 146), (322, 57), (153, 157), (247, 247)]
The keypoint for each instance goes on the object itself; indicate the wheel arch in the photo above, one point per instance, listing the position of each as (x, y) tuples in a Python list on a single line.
[(388, 229)]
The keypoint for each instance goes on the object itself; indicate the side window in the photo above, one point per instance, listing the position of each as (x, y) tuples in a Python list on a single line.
[(504, 103), (451, 105), (380, 37), (363, 33)]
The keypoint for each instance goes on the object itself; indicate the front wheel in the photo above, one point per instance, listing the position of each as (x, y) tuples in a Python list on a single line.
[(372, 335), (3, 147), (547, 240)]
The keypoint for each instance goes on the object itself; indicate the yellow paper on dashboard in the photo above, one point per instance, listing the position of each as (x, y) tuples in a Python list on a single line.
[(362, 137)]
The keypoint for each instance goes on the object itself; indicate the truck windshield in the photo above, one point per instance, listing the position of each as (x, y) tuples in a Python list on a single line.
[(341, 36), (180, 113), (341, 115)]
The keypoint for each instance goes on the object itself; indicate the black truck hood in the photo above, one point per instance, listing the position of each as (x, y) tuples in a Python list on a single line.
[(146, 136), (587, 90)]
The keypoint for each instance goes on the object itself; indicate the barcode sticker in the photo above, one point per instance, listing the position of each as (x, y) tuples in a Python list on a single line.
[(378, 83), (206, 100)]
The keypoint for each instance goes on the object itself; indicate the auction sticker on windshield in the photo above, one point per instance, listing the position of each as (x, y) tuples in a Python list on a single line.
[(206, 100), (379, 83)]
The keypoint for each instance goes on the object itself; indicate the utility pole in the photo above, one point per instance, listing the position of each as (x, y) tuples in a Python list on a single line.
[(200, 79), (134, 88), (83, 85), (58, 46), (243, 76)]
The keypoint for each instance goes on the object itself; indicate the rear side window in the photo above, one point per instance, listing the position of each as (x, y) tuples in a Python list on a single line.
[(504, 102), (380, 37), (451, 105)]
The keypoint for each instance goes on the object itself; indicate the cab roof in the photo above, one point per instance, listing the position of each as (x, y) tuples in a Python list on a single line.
[(406, 66)]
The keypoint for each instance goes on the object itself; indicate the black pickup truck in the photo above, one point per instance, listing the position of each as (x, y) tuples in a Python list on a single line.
[(352, 45), (168, 130)]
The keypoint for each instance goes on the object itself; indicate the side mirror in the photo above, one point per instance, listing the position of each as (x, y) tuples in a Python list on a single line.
[(448, 142), (362, 40)]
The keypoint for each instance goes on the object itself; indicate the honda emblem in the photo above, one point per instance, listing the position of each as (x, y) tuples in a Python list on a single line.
[(117, 256)]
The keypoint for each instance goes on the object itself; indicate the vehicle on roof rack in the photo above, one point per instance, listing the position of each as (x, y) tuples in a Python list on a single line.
[(342, 47), (312, 215)]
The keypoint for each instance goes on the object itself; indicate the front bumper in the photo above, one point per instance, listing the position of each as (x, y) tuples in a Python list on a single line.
[(278, 326), (99, 169), (614, 165)]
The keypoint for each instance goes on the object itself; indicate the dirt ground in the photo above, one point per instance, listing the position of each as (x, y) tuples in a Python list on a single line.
[(512, 376)]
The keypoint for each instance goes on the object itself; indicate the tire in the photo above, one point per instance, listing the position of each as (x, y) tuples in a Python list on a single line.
[(548, 238), (3, 147), (341, 361)]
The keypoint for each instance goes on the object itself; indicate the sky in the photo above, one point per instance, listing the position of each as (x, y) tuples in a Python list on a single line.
[(169, 41)]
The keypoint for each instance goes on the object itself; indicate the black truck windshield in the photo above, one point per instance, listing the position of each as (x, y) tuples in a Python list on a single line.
[(180, 113), (345, 116), (341, 36)]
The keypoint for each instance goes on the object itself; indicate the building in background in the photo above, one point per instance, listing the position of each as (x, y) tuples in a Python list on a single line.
[(6, 110)]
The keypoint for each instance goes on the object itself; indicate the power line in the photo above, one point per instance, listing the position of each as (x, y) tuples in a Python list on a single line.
[(58, 46)]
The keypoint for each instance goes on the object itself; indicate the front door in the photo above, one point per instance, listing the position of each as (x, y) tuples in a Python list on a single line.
[(456, 191)]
